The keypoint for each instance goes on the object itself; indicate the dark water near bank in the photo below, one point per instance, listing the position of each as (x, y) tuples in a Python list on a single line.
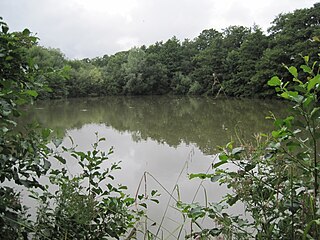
[(168, 137)]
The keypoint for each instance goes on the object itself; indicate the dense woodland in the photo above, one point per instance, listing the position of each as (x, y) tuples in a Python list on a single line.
[(237, 61)]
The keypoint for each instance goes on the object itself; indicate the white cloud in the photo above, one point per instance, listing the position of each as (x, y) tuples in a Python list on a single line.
[(89, 28)]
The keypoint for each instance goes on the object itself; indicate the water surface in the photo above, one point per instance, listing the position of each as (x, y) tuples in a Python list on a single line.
[(168, 137)]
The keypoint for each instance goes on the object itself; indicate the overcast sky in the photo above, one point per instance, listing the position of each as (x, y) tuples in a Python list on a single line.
[(90, 28)]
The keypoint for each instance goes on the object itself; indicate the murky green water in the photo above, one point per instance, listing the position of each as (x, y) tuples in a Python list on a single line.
[(168, 137)]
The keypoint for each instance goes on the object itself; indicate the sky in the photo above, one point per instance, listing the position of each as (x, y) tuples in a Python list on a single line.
[(92, 28)]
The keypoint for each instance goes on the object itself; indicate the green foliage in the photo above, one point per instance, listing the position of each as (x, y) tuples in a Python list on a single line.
[(52, 71), (239, 60), (22, 154), (277, 179), (85, 206)]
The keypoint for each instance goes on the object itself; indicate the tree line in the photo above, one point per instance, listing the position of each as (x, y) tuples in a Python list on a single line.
[(237, 61)]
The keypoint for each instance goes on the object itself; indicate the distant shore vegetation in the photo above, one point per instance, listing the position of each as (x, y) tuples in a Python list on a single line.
[(237, 62)]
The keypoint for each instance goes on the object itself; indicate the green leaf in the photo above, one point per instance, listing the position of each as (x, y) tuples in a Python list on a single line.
[(215, 178), (308, 227), (96, 190), (249, 167), (26, 32), (293, 71), (315, 113), (31, 93), (308, 100), (5, 29), (155, 200), (233, 200), (306, 69), (46, 132), (312, 82), (218, 164), (143, 205), (60, 159), (292, 95), (26, 183), (123, 188), (46, 164), (199, 175), (223, 157), (274, 81)]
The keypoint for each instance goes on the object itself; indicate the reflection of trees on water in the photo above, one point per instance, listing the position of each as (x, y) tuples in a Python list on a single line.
[(205, 122)]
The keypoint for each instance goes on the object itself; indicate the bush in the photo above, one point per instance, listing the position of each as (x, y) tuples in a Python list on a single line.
[(277, 179)]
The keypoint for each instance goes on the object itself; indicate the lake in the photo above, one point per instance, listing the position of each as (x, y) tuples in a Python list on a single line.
[(167, 137)]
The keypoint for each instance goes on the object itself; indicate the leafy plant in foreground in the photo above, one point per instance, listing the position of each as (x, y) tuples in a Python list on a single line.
[(276, 179), (87, 205), (22, 154)]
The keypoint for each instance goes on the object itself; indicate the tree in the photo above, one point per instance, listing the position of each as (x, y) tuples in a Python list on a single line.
[(22, 154), (290, 37), (52, 71), (241, 64), (135, 83), (207, 62), (113, 75)]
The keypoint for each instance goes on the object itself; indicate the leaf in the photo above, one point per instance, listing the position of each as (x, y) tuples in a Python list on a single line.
[(274, 81), (46, 164), (315, 113), (316, 38), (26, 183), (31, 93), (155, 200), (308, 100), (308, 227), (143, 205), (233, 200), (199, 175), (249, 167), (46, 132), (223, 157), (26, 32), (237, 150), (215, 232), (293, 71), (57, 142), (218, 164), (96, 190), (60, 159), (5, 29), (292, 95), (306, 69), (215, 178), (312, 82)]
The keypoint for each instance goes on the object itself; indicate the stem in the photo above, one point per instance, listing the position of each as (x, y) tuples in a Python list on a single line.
[(315, 174), (292, 195), (311, 129)]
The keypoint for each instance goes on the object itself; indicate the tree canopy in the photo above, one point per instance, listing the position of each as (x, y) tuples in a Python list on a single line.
[(238, 60)]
